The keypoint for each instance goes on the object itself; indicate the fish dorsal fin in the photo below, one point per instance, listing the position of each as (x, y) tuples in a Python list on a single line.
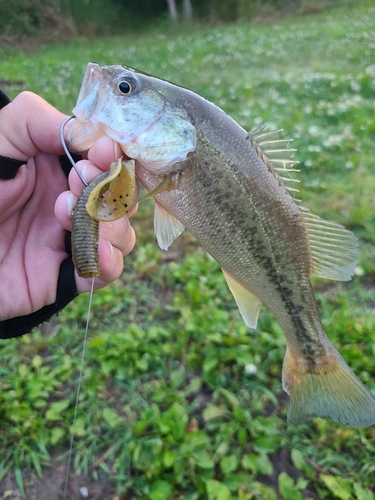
[(167, 227), (275, 154), (333, 248), (248, 304)]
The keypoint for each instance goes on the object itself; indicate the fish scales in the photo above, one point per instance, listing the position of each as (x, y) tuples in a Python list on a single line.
[(253, 245), (209, 176)]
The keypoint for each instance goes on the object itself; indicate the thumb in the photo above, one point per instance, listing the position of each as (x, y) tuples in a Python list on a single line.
[(28, 125)]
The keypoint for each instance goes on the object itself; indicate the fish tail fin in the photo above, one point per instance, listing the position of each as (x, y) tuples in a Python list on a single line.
[(327, 389)]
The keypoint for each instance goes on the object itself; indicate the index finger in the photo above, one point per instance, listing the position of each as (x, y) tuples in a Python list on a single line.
[(29, 124), (99, 159), (104, 152)]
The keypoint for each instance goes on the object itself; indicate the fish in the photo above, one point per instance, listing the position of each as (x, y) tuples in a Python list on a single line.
[(233, 190)]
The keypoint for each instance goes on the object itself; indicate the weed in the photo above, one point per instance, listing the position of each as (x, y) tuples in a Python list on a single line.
[(179, 399)]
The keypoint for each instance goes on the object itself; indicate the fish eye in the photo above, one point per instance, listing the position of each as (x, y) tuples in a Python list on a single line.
[(125, 87)]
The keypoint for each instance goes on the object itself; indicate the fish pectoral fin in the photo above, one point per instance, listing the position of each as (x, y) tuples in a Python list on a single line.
[(333, 248), (167, 227), (248, 303), (168, 184), (327, 389)]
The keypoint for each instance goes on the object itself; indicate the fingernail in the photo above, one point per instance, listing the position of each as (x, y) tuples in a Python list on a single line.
[(116, 150), (70, 204), (84, 171), (111, 248)]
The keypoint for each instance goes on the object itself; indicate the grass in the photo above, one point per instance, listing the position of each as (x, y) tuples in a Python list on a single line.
[(179, 399)]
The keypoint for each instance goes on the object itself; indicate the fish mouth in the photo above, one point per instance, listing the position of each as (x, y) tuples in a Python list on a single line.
[(89, 93), (83, 131)]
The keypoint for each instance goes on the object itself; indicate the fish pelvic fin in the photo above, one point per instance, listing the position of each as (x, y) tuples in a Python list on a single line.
[(327, 389), (248, 304), (167, 227), (333, 249)]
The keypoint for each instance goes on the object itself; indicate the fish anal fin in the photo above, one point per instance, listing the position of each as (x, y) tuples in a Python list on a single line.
[(333, 249), (328, 389), (167, 227), (248, 304)]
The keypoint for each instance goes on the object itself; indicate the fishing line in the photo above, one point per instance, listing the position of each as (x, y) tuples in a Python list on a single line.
[(72, 433), (67, 152), (80, 377)]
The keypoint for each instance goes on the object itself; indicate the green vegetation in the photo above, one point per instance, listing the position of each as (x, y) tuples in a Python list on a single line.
[(178, 398)]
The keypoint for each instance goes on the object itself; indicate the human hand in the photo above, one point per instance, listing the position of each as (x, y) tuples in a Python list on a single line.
[(116, 238), (32, 237)]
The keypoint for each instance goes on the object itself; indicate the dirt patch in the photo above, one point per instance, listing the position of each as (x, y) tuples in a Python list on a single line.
[(52, 486)]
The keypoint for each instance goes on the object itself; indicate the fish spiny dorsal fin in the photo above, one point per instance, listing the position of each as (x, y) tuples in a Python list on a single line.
[(333, 248), (275, 154)]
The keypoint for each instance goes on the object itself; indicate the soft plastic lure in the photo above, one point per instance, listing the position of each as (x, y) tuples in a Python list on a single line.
[(108, 197)]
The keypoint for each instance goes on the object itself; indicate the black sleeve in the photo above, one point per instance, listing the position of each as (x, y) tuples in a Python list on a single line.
[(4, 99), (66, 292), (66, 285), (8, 166)]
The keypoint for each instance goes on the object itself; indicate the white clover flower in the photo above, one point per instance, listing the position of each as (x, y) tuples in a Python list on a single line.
[(370, 70), (314, 131), (332, 140), (314, 148), (307, 109), (250, 369), (355, 86)]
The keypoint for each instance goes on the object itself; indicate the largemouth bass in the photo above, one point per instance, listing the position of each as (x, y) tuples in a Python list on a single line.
[(229, 188)]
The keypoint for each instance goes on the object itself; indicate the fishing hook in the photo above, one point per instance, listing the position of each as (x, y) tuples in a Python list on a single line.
[(67, 151)]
